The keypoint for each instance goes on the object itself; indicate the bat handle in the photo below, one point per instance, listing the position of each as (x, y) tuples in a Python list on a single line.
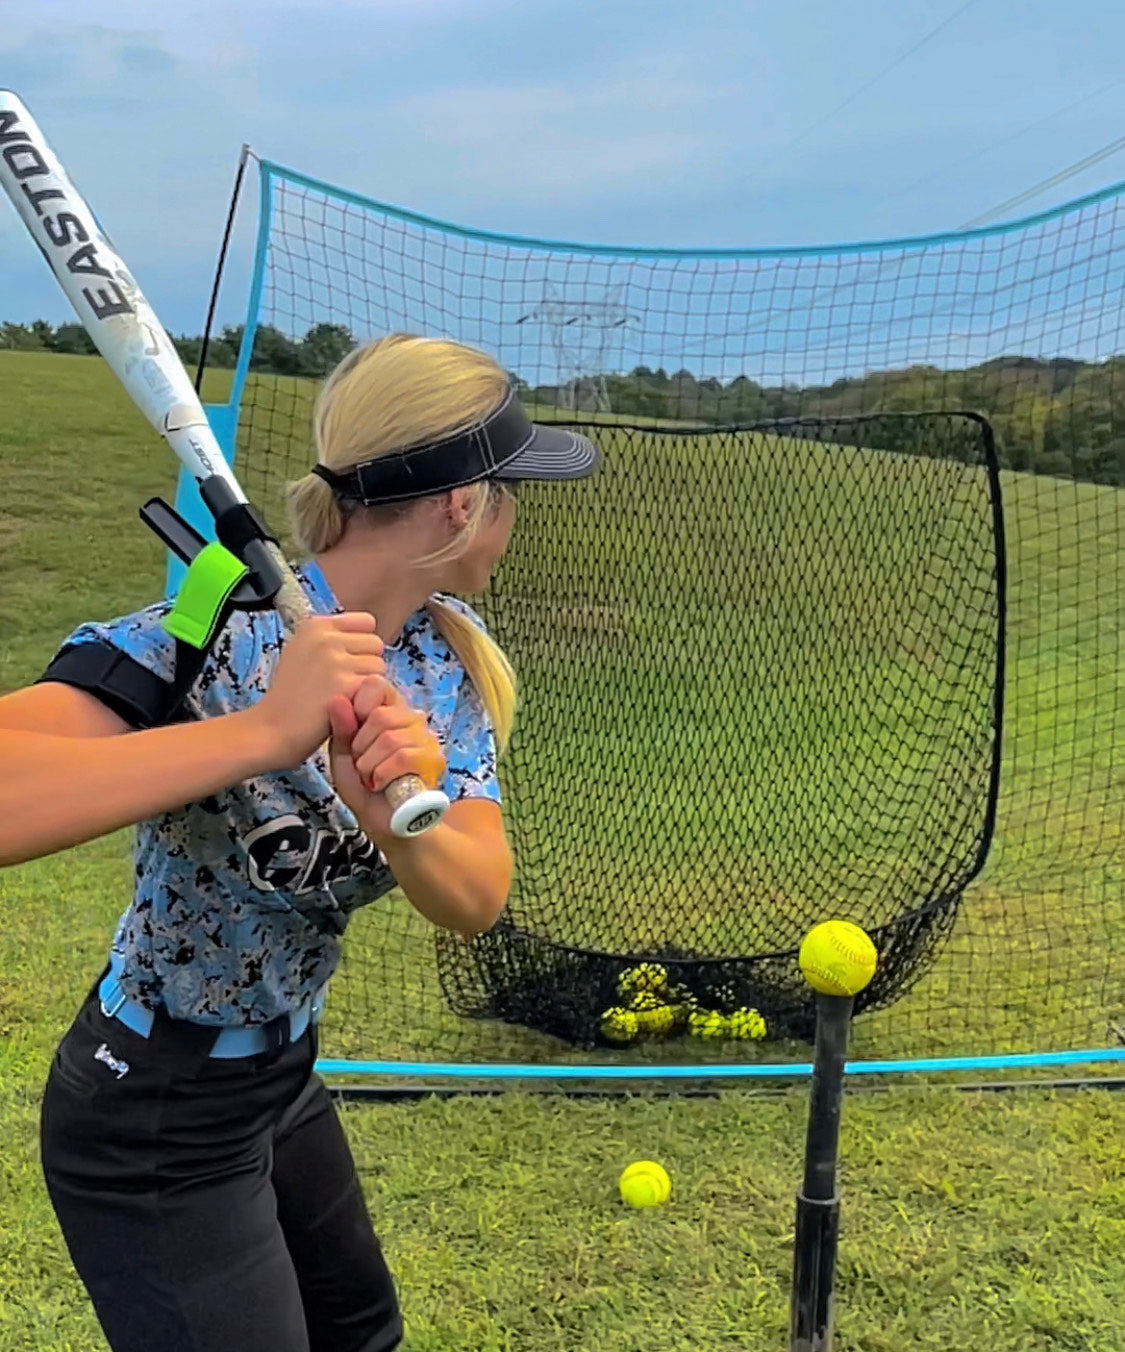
[(415, 809)]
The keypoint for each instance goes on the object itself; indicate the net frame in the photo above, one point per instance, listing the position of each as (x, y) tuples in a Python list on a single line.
[(1105, 206)]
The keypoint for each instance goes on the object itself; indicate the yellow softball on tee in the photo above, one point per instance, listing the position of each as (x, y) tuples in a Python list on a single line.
[(645, 1184), (837, 958)]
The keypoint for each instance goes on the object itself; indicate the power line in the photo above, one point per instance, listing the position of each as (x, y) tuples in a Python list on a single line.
[(1061, 177), (1004, 140), (894, 64)]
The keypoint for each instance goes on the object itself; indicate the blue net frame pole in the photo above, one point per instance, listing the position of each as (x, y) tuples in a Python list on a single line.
[(818, 1203)]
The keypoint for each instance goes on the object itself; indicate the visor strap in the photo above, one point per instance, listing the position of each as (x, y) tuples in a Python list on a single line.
[(424, 470), (334, 481)]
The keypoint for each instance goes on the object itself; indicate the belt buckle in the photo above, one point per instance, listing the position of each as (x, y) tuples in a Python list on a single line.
[(114, 1001)]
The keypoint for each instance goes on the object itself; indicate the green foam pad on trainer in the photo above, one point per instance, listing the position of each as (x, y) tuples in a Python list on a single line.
[(207, 586)]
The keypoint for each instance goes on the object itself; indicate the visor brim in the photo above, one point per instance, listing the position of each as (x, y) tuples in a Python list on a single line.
[(552, 453)]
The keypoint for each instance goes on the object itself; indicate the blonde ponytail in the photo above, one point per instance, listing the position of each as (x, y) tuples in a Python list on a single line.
[(388, 396), (315, 514), (485, 665)]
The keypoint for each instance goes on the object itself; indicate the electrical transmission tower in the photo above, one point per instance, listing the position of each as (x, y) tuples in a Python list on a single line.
[(581, 332)]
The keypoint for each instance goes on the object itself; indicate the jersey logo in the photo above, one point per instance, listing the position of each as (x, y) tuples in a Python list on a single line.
[(286, 855)]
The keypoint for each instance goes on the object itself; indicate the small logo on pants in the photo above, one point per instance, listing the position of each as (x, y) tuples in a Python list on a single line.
[(104, 1055)]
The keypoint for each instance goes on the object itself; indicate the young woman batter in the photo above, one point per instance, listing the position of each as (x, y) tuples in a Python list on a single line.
[(201, 1178)]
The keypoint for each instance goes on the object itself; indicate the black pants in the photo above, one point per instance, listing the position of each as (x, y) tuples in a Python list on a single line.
[(210, 1205)]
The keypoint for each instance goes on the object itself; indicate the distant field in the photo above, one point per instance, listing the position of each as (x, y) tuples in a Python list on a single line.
[(991, 1221)]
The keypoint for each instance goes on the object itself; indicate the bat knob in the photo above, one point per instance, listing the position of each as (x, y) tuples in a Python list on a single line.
[(419, 813)]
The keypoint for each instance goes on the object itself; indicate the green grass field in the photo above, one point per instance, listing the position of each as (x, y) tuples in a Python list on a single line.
[(972, 1220)]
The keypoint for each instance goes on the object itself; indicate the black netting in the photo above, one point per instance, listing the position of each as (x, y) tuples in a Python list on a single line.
[(760, 673), (758, 654)]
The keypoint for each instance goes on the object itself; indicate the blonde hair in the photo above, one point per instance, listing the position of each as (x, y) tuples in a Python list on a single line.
[(389, 396)]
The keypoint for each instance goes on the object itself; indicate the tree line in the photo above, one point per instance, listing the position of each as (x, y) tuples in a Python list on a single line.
[(313, 355), (1059, 416)]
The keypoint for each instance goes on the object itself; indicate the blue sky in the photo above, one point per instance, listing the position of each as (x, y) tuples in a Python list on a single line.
[(718, 123)]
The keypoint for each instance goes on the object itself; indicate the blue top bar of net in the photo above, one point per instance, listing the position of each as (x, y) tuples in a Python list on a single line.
[(271, 170)]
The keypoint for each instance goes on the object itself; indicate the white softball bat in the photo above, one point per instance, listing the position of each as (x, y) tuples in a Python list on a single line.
[(114, 312)]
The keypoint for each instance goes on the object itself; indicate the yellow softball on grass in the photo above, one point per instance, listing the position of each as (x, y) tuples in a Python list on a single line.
[(837, 958), (658, 1021), (645, 1183), (644, 1000), (648, 978), (706, 1023), (619, 1025), (747, 1023)]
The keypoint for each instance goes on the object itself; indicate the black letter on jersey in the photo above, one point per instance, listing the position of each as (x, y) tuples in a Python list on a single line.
[(277, 853)]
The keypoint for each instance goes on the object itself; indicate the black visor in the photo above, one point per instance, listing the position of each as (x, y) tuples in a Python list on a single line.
[(506, 445)]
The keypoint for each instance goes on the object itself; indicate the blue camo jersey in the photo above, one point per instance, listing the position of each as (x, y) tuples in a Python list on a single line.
[(241, 898)]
